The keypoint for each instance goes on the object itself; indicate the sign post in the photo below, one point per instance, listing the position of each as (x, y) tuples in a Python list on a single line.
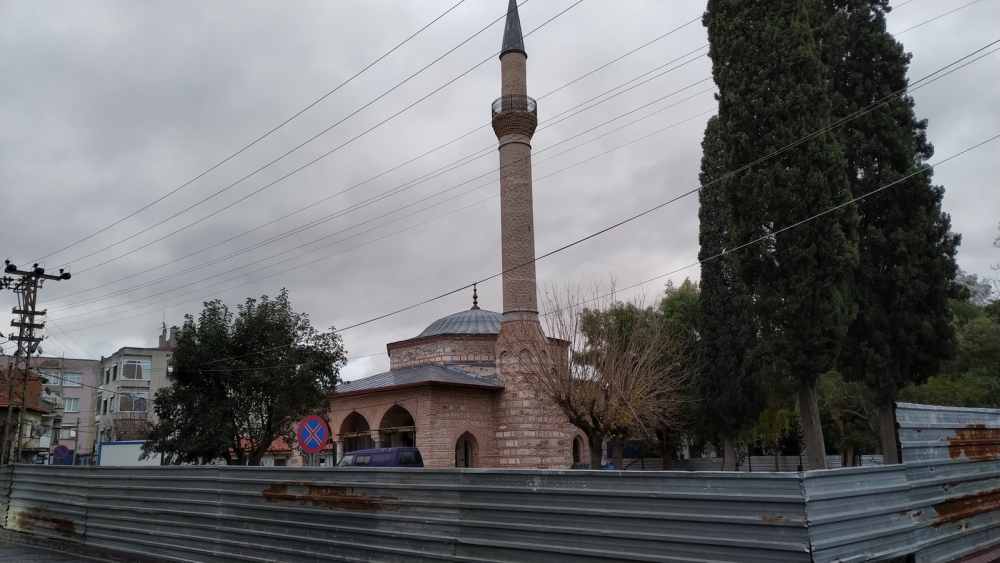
[(313, 434)]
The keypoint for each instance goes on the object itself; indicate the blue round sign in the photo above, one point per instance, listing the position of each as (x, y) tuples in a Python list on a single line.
[(313, 434), (60, 452)]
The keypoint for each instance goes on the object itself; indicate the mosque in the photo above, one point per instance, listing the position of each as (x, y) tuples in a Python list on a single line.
[(457, 390)]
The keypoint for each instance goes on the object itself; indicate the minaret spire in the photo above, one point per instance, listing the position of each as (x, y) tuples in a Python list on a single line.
[(512, 38)]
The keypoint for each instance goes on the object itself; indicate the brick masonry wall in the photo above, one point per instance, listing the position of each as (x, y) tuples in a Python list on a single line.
[(440, 414), (473, 353)]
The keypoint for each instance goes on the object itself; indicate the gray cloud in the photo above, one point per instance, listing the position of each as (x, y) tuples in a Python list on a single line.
[(108, 105)]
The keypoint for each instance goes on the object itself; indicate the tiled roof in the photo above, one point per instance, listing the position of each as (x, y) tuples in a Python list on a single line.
[(473, 321), (424, 373)]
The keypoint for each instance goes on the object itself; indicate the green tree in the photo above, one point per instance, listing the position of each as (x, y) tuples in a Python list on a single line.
[(906, 267), (240, 381), (849, 416), (731, 395), (678, 314), (773, 92), (972, 378)]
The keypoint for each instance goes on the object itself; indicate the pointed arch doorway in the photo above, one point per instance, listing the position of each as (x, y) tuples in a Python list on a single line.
[(466, 450)]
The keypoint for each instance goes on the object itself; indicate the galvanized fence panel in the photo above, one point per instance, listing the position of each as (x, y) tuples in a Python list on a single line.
[(942, 504), (355, 514), (932, 432), (49, 501), (6, 474)]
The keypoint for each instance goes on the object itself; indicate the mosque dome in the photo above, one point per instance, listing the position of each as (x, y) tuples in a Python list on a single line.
[(473, 321)]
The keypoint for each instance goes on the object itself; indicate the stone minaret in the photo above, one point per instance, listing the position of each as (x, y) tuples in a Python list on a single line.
[(529, 433), (514, 121)]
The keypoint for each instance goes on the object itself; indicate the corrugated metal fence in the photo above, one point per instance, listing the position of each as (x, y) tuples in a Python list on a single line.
[(936, 507)]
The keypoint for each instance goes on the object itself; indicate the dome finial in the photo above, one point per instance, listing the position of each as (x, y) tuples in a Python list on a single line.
[(475, 298)]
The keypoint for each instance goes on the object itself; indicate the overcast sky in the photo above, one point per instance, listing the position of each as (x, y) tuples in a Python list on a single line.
[(108, 106)]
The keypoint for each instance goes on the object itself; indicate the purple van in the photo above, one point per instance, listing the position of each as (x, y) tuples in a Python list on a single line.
[(383, 457)]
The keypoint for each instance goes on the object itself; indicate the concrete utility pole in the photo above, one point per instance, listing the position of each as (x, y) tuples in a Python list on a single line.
[(26, 288)]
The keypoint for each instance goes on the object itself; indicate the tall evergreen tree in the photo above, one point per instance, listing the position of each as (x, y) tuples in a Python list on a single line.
[(732, 397), (772, 92), (903, 330)]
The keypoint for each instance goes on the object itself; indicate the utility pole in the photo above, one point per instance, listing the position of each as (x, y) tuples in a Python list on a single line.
[(26, 286)]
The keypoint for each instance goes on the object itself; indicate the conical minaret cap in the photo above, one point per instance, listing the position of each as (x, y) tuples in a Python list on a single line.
[(512, 39)]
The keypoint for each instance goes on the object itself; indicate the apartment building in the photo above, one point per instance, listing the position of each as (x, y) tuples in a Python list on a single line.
[(66, 389), (127, 382)]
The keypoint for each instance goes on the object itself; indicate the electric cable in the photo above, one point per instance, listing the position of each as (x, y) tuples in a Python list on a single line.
[(489, 183), (257, 140), (324, 155), (385, 195), (916, 85)]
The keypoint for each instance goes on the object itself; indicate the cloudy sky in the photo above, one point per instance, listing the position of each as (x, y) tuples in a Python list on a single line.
[(106, 107)]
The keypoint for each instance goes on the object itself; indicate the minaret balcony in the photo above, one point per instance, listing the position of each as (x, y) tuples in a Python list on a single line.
[(514, 114), (515, 102)]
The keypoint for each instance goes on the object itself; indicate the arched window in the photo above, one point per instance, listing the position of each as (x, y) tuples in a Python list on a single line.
[(577, 449)]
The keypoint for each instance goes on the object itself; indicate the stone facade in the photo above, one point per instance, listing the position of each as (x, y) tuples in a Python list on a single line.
[(441, 415), (473, 353)]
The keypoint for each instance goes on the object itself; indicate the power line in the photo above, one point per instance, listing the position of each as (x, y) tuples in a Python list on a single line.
[(324, 155), (433, 174), (384, 195), (923, 169), (916, 85), (257, 140), (938, 17), (489, 183)]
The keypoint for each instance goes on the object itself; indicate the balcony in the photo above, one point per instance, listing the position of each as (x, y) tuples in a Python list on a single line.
[(515, 102)]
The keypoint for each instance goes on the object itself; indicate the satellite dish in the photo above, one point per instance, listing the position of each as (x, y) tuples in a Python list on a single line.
[(39, 351)]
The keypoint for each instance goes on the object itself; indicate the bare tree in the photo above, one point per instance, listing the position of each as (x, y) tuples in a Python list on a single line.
[(610, 367), (131, 424)]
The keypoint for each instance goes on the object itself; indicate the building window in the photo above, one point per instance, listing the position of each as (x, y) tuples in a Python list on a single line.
[(72, 405), (72, 379), (280, 462), (51, 376), (136, 369), (107, 375), (133, 402), (114, 372), (67, 433), (104, 408)]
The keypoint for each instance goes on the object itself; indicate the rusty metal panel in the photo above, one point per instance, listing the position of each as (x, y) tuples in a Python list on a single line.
[(6, 474), (351, 514), (48, 501), (929, 432)]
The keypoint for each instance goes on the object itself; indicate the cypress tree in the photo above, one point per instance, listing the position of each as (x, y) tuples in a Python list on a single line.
[(905, 274), (731, 395), (773, 91)]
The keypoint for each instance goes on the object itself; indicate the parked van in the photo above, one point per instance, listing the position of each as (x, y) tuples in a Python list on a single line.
[(383, 457)]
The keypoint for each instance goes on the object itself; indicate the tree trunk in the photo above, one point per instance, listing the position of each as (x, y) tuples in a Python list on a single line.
[(596, 453), (666, 451), (887, 432), (728, 453), (848, 456), (812, 428), (777, 458), (617, 446)]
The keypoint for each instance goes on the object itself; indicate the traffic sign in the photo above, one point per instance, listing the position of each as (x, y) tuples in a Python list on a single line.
[(313, 434), (60, 452)]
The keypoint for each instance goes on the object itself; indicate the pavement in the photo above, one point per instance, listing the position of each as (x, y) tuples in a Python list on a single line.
[(19, 553)]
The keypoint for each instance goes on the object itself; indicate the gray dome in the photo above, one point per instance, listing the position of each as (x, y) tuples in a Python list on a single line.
[(473, 321)]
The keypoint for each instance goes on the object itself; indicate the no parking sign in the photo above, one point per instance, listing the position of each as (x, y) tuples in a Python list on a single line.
[(313, 434)]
